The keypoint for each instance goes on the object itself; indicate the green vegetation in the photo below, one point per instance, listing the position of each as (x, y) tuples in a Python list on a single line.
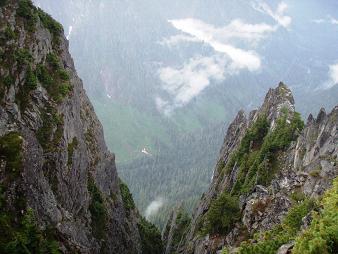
[(19, 232), (44, 76), (222, 214), (64, 90), (320, 237), (269, 242), (10, 34), (246, 157), (10, 152), (257, 154), (27, 11), (71, 147), (167, 167), (63, 75), (257, 161), (182, 224), (23, 57), (3, 2), (150, 237), (97, 210), (322, 234), (31, 14), (225, 251), (54, 78), (127, 197), (51, 131), (5, 82), (315, 172), (31, 80), (54, 27), (297, 196), (8, 80), (53, 61), (23, 96), (125, 118), (25, 237)]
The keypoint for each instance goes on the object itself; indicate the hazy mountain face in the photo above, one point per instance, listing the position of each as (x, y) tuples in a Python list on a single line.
[(158, 70), (194, 61)]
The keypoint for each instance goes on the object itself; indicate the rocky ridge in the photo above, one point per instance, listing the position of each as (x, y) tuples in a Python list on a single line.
[(301, 168)]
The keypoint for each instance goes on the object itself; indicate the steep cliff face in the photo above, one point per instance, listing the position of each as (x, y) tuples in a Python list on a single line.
[(177, 225), (269, 163), (55, 167)]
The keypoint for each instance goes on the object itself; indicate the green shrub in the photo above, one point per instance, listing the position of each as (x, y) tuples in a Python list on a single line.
[(256, 156), (322, 234), (182, 224), (53, 61), (23, 56), (150, 237), (293, 219), (31, 80), (19, 232), (54, 78), (3, 3), (44, 76), (269, 242), (54, 27), (8, 80), (23, 96), (27, 11), (24, 236), (63, 74), (297, 196), (222, 214), (225, 251), (315, 172), (127, 197), (9, 33), (64, 90), (71, 147), (50, 133), (97, 210), (11, 152)]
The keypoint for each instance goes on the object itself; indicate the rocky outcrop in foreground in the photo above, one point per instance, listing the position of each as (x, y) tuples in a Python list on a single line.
[(59, 188), (271, 168)]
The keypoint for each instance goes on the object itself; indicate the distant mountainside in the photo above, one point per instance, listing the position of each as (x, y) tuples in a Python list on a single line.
[(267, 188), (140, 59), (59, 187), (175, 175)]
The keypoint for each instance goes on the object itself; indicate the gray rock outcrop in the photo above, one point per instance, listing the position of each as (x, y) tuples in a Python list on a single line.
[(305, 168)]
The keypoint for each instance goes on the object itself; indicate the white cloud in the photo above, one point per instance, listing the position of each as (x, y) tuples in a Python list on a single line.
[(318, 21), (70, 29), (218, 38), (237, 29), (328, 19), (334, 21), (177, 39), (334, 73), (188, 81), (333, 77), (278, 15), (154, 207), (241, 59)]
